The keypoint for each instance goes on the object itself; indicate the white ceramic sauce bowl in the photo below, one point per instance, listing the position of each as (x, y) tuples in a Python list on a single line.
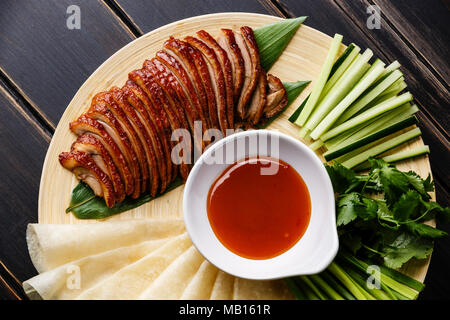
[(316, 248)]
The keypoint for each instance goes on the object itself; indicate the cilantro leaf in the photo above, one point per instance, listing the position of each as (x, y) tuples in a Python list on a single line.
[(346, 211), (382, 212), (393, 182), (422, 186), (434, 209), (405, 246), (351, 241), (341, 177), (423, 230), (370, 209), (385, 216), (407, 207)]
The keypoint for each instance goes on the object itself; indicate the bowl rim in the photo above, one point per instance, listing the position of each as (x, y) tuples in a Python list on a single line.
[(320, 266)]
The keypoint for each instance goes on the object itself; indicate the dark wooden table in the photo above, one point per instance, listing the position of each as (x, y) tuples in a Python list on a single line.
[(43, 63)]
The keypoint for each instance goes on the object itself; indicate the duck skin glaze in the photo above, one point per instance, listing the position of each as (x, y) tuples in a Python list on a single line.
[(125, 145)]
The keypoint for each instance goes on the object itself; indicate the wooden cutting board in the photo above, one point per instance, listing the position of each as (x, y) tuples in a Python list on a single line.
[(302, 60)]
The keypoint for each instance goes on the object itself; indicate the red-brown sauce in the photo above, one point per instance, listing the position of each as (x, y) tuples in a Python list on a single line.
[(259, 216)]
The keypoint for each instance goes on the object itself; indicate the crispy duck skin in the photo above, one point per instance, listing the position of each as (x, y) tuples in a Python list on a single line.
[(100, 111), (185, 111), (133, 139), (179, 51), (258, 101), (129, 91), (87, 170), (173, 109), (155, 110), (90, 144), (170, 104), (86, 124), (124, 146), (203, 71), (217, 79), (136, 122), (276, 97), (227, 41), (186, 84), (161, 103), (225, 64), (250, 54)]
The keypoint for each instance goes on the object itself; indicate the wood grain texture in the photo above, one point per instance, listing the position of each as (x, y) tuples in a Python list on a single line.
[(23, 144), (424, 26), (149, 15), (305, 54), (45, 60)]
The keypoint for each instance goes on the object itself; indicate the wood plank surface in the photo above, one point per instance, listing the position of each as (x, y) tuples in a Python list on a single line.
[(424, 26), (149, 15), (23, 143), (46, 60)]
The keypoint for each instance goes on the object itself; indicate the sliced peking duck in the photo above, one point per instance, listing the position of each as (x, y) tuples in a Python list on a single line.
[(137, 139)]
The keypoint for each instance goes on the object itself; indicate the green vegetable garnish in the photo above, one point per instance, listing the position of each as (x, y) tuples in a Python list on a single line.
[(381, 214)]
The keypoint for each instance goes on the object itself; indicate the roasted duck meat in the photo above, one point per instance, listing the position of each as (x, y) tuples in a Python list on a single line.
[(129, 140)]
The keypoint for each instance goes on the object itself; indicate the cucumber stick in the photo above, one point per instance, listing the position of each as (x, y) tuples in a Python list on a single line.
[(384, 97), (375, 70), (343, 66), (316, 145), (399, 156), (379, 123), (341, 59), (323, 77), (403, 155), (393, 66), (340, 139), (382, 147), (352, 145), (340, 89), (369, 114), (336, 66), (369, 96)]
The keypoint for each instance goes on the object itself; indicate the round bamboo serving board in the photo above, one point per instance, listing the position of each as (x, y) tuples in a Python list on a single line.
[(301, 60)]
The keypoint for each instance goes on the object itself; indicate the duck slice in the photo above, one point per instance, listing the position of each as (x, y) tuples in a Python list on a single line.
[(227, 41), (226, 66), (86, 124), (130, 131), (140, 102), (174, 112), (141, 132), (179, 51), (85, 169), (149, 88), (276, 97), (101, 112), (256, 107), (185, 110), (249, 50), (90, 144), (183, 78), (217, 79), (203, 71)]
